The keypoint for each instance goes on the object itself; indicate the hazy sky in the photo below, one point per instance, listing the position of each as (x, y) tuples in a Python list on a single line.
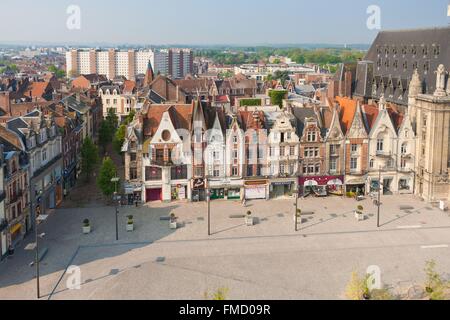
[(212, 21)]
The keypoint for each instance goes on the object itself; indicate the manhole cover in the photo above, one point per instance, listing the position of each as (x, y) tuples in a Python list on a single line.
[(280, 215), (160, 259), (200, 219)]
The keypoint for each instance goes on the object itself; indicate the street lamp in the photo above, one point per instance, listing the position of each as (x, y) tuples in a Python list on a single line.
[(379, 197), (39, 218), (116, 199), (208, 199)]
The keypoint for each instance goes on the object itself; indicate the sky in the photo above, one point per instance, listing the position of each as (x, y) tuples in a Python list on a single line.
[(207, 22)]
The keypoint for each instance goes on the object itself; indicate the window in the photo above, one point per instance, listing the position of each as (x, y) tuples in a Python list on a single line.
[(380, 145), (132, 156), (353, 163), (312, 136), (235, 139), (178, 173), (354, 148), (404, 148), (234, 171), (333, 165), (372, 163), (153, 174), (133, 173), (403, 163), (282, 151), (272, 151), (44, 154), (282, 169), (235, 154), (317, 169), (289, 136), (292, 151), (334, 149)]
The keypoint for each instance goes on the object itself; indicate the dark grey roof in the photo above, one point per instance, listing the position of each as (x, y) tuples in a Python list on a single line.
[(301, 114), (397, 54), (155, 98)]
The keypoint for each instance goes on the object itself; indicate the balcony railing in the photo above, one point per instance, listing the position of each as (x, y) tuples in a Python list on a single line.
[(384, 154)]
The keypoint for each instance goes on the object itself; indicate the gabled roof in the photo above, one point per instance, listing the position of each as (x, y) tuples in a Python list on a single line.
[(180, 114)]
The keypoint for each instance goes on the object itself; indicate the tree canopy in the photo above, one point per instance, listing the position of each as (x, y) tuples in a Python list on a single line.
[(108, 171), (89, 157)]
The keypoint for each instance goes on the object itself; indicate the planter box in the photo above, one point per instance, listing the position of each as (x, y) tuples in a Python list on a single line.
[(359, 216), (173, 225), (249, 221), (86, 230), (299, 219), (130, 227)]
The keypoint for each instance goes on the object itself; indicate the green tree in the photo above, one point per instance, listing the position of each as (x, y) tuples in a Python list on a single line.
[(107, 172), (277, 96), (89, 157), (105, 134), (130, 117), (113, 120), (57, 72), (119, 139)]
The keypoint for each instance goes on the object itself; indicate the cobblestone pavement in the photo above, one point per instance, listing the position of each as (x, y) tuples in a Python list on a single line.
[(266, 261)]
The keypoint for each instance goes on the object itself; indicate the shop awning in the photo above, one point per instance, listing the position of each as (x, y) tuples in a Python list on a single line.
[(356, 182), (335, 182), (311, 183), (16, 228)]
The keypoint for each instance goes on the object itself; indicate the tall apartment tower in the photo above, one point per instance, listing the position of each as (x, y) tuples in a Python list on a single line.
[(176, 63)]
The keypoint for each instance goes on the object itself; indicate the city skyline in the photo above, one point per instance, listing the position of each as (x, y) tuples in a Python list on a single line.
[(195, 22)]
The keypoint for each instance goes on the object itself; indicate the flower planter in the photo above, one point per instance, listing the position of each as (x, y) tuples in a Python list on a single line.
[(173, 225), (359, 216), (130, 227), (86, 229), (299, 219), (249, 221)]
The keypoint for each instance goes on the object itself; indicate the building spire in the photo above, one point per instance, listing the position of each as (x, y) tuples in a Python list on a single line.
[(415, 86)]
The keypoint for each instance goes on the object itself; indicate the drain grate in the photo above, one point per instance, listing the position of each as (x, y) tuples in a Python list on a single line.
[(160, 259), (200, 219)]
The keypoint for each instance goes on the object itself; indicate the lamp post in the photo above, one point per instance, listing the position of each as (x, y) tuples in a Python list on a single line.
[(38, 219), (115, 180), (208, 199), (379, 197)]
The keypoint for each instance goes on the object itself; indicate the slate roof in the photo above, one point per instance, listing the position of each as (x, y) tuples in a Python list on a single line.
[(396, 54)]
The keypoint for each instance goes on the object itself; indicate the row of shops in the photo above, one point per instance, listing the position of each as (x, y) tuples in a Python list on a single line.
[(259, 189)]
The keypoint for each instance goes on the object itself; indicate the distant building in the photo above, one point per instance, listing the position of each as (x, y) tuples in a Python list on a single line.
[(176, 63)]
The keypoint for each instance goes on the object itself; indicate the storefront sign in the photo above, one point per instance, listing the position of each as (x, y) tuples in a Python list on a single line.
[(198, 184), (182, 193)]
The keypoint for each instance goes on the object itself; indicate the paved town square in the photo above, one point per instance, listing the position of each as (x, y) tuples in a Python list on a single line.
[(266, 261)]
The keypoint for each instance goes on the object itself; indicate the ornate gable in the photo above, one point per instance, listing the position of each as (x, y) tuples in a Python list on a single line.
[(335, 130), (357, 130)]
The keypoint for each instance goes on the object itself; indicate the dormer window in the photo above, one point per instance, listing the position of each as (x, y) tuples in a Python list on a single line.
[(413, 50), (436, 50), (404, 50), (424, 50)]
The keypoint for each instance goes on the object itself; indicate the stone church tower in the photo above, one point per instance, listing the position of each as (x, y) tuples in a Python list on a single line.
[(430, 114)]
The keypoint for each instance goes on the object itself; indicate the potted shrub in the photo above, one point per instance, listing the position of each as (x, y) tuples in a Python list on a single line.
[(249, 219), (359, 214), (173, 221), (86, 226), (130, 224)]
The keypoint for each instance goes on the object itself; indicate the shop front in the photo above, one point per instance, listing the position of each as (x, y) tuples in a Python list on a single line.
[(133, 193), (153, 194), (355, 186), (321, 186), (256, 189), (198, 190), (226, 189), (179, 192), (282, 188)]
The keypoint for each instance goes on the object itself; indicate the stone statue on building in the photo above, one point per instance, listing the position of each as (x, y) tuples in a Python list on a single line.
[(440, 81)]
